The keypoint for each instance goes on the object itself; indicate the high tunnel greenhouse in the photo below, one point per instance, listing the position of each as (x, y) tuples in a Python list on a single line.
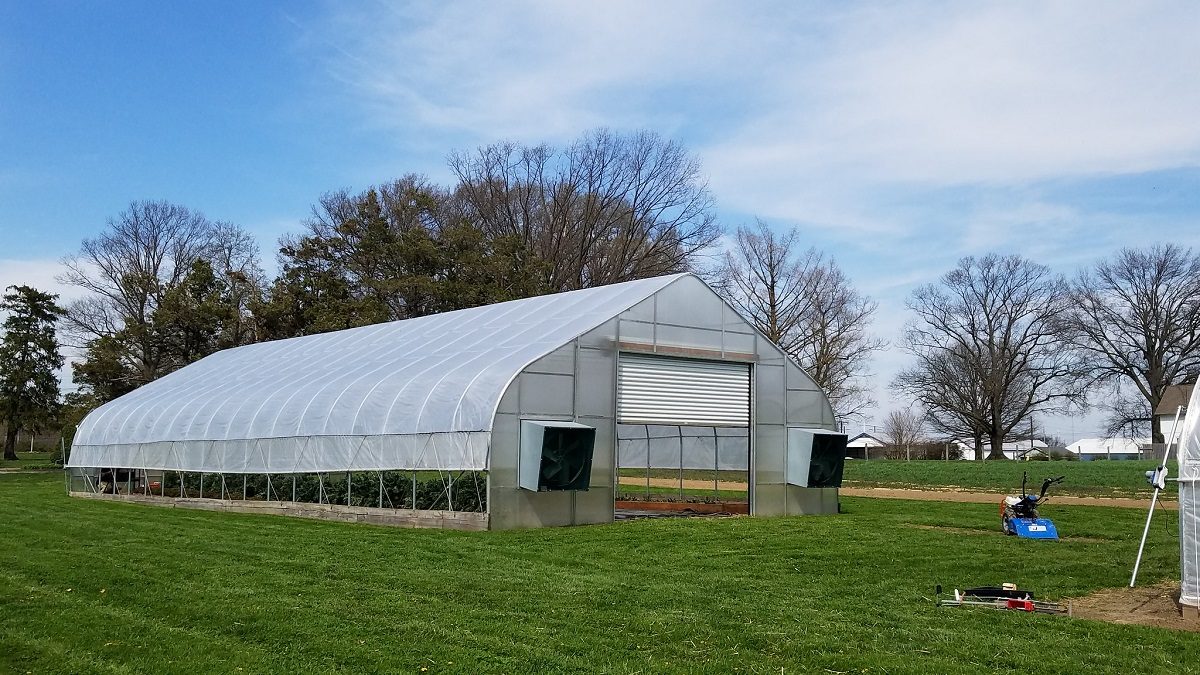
[(561, 409)]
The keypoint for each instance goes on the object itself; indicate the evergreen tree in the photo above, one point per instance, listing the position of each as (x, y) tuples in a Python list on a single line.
[(29, 358), (394, 252)]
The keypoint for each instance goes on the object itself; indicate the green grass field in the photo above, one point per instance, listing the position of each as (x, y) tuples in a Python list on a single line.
[(91, 586), (1096, 479), (29, 461), (1093, 479)]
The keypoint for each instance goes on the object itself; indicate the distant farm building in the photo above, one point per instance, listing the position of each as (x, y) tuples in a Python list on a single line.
[(1011, 450), (864, 446), (1174, 398), (1109, 448)]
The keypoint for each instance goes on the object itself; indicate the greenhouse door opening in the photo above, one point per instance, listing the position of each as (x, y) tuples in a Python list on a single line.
[(683, 436)]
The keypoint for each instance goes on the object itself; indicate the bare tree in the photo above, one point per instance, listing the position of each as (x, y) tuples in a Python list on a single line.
[(805, 304), (942, 382), (612, 207), (904, 428), (991, 333), (143, 254), (769, 281), (837, 348), (1136, 321)]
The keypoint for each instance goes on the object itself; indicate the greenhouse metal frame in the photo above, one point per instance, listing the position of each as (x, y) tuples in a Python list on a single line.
[(394, 423)]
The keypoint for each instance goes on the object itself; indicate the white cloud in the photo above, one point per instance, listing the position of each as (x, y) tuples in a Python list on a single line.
[(527, 70), (940, 92), (972, 93)]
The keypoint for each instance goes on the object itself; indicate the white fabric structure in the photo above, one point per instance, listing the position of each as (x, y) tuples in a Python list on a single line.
[(414, 394), (1189, 503), (1122, 448)]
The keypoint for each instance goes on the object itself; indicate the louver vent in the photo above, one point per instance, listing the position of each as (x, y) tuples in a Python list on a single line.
[(664, 390)]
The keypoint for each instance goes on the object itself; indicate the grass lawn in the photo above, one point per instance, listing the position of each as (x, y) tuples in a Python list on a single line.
[(90, 586), (1100, 478), (29, 461)]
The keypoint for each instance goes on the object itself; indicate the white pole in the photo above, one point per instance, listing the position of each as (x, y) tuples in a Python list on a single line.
[(1154, 500)]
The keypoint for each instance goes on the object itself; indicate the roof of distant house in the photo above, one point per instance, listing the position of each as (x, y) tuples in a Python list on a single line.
[(865, 440), (1175, 395)]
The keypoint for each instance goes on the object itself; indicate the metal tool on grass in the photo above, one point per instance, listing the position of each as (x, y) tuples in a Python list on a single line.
[(1004, 597)]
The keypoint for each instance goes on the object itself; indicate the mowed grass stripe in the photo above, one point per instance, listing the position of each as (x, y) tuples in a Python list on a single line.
[(209, 592), (1098, 478)]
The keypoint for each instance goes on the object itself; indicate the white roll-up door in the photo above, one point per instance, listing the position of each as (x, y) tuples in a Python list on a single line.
[(665, 390)]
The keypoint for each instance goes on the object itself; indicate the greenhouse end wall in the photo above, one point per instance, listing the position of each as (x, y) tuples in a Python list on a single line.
[(578, 383)]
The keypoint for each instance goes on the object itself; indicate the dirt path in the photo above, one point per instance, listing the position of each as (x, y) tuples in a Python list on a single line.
[(1153, 605), (935, 495), (689, 484), (950, 495)]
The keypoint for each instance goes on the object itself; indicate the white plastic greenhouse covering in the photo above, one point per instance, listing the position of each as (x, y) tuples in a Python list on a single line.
[(415, 394), (1189, 503)]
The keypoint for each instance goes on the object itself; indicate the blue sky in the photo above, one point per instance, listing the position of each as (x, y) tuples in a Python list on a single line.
[(898, 138)]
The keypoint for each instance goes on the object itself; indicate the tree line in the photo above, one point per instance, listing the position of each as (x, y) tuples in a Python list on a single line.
[(993, 342), (1001, 338)]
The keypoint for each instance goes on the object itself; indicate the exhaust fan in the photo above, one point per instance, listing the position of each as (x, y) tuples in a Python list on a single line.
[(815, 457), (556, 455)]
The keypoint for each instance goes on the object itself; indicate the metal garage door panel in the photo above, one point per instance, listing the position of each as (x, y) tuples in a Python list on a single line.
[(664, 390)]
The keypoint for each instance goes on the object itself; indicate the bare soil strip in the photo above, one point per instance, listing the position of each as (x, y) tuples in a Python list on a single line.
[(946, 494), (1155, 605)]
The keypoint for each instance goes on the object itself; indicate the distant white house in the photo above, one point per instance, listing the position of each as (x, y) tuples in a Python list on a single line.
[(1107, 448), (863, 446), (1011, 450)]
